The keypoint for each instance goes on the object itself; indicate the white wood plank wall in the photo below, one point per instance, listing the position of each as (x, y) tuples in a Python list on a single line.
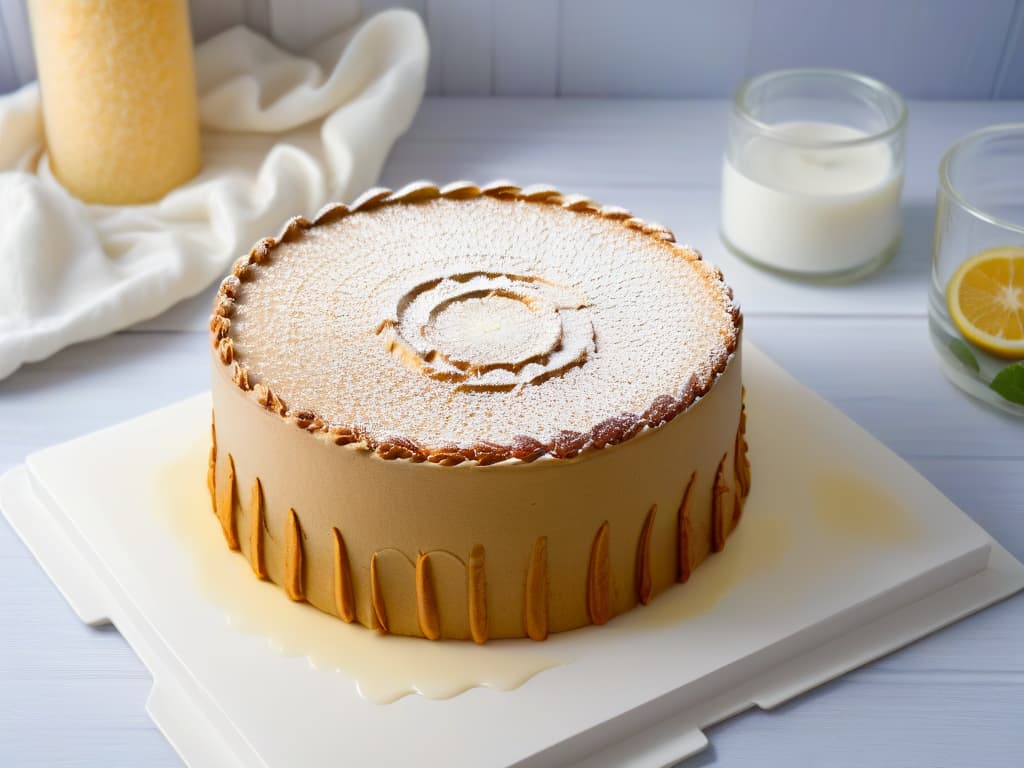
[(940, 49)]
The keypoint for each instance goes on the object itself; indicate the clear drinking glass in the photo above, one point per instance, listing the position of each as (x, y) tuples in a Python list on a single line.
[(976, 296), (813, 171)]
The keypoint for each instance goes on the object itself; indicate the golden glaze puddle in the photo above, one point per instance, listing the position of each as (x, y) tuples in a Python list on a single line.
[(384, 667), (850, 505), (387, 667)]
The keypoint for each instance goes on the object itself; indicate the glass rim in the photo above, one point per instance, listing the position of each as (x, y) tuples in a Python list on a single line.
[(849, 76), (950, 189)]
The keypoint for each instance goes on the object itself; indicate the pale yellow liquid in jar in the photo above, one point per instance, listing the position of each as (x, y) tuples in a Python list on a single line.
[(119, 96), (384, 667)]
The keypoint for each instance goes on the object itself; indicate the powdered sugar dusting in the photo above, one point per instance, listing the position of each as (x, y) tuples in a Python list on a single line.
[(467, 321)]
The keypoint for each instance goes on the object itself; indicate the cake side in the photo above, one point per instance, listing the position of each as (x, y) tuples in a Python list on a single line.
[(515, 549)]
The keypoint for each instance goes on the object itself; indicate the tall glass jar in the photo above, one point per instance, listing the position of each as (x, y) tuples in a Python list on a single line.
[(813, 171), (119, 96)]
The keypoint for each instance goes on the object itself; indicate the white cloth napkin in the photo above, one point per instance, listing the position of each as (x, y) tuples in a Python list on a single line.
[(282, 135)]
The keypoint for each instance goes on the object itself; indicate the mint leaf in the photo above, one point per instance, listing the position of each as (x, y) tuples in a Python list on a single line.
[(963, 353), (1009, 383)]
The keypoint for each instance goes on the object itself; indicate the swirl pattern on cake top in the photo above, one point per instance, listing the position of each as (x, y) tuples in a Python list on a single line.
[(489, 331)]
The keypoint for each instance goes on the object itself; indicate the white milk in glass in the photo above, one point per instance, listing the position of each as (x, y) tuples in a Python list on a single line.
[(816, 210)]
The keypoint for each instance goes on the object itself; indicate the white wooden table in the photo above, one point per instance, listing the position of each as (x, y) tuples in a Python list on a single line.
[(72, 695)]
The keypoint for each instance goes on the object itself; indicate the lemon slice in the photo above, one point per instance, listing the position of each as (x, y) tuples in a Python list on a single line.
[(986, 300)]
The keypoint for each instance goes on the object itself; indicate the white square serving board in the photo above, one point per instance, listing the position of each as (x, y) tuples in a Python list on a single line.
[(844, 554)]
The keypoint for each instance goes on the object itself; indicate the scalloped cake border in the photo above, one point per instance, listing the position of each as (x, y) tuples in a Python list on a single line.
[(566, 444)]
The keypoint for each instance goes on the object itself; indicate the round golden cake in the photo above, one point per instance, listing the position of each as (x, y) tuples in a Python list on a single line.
[(476, 412)]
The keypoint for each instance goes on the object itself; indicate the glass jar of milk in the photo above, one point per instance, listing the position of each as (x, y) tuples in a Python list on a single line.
[(813, 171)]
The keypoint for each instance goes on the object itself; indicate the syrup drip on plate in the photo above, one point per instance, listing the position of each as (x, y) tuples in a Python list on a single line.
[(384, 667), (840, 504)]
